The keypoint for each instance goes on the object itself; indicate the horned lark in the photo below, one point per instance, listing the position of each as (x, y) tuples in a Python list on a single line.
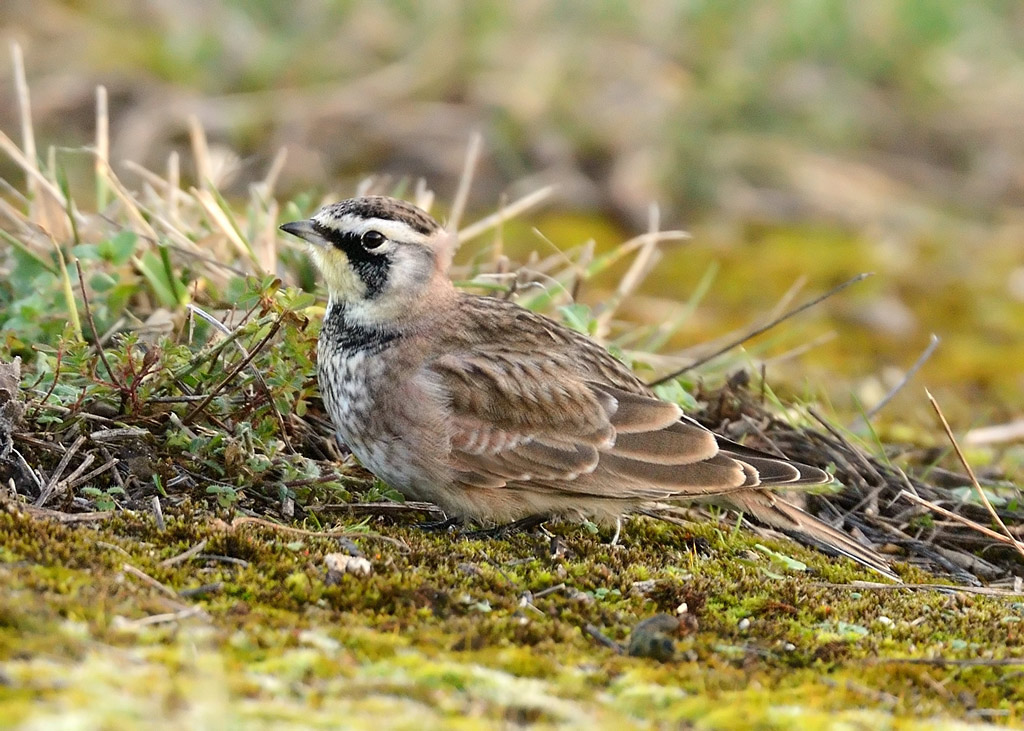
[(496, 413)]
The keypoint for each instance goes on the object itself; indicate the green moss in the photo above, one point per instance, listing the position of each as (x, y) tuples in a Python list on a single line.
[(449, 627)]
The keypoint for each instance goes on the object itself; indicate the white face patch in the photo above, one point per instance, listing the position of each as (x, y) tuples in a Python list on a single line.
[(393, 231), (409, 275), (379, 284), (342, 281)]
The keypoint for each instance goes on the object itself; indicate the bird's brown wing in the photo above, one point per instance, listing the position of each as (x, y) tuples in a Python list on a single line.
[(523, 382), (564, 416), (529, 420)]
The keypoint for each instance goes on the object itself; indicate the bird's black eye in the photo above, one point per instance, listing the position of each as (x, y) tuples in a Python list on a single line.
[(372, 239)]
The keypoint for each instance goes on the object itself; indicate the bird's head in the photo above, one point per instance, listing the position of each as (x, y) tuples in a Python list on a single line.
[(383, 259)]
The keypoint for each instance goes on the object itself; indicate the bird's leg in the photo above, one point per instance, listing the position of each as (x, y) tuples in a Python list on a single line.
[(503, 531), (439, 526)]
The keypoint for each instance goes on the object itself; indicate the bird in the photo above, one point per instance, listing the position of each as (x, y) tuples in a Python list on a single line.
[(496, 413)]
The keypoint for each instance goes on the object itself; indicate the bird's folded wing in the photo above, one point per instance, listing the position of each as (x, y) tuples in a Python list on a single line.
[(519, 420), (773, 470)]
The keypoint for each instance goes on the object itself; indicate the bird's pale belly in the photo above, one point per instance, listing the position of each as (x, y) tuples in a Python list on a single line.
[(360, 425)]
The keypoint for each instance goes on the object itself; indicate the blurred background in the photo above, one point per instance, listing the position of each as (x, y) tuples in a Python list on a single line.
[(799, 142)]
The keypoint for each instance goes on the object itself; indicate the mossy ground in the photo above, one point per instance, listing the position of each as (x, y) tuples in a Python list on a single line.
[(451, 631), (781, 136)]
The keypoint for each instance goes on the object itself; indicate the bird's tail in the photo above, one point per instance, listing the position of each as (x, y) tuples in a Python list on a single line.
[(775, 512)]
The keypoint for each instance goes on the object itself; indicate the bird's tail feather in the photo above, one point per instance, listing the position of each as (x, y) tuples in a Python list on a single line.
[(775, 512)]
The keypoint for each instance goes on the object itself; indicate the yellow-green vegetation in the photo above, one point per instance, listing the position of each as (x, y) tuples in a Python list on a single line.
[(813, 140), (176, 521), (136, 591), (460, 631)]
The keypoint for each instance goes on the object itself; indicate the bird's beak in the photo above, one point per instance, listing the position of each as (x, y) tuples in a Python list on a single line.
[(305, 231)]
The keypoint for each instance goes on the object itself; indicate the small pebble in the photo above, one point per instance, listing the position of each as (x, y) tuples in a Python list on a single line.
[(654, 638), (339, 564), (349, 546), (576, 595), (744, 624), (643, 588)]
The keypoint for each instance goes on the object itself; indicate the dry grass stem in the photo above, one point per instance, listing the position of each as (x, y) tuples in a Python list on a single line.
[(998, 434), (933, 343), (200, 153), (147, 579), (465, 182), (512, 210), (334, 533), (944, 588), (74, 481), (102, 160), (185, 555), (92, 326), (28, 137), (645, 260), (58, 471), (760, 330), (164, 618), (39, 182), (173, 188), (973, 525), (799, 350), (132, 205), (787, 297), (970, 473), (223, 221)]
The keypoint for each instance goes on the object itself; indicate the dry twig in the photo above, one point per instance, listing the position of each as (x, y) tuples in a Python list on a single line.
[(974, 480), (759, 330)]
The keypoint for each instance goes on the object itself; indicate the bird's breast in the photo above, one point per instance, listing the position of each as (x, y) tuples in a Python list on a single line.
[(345, 390), (386, 417)]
